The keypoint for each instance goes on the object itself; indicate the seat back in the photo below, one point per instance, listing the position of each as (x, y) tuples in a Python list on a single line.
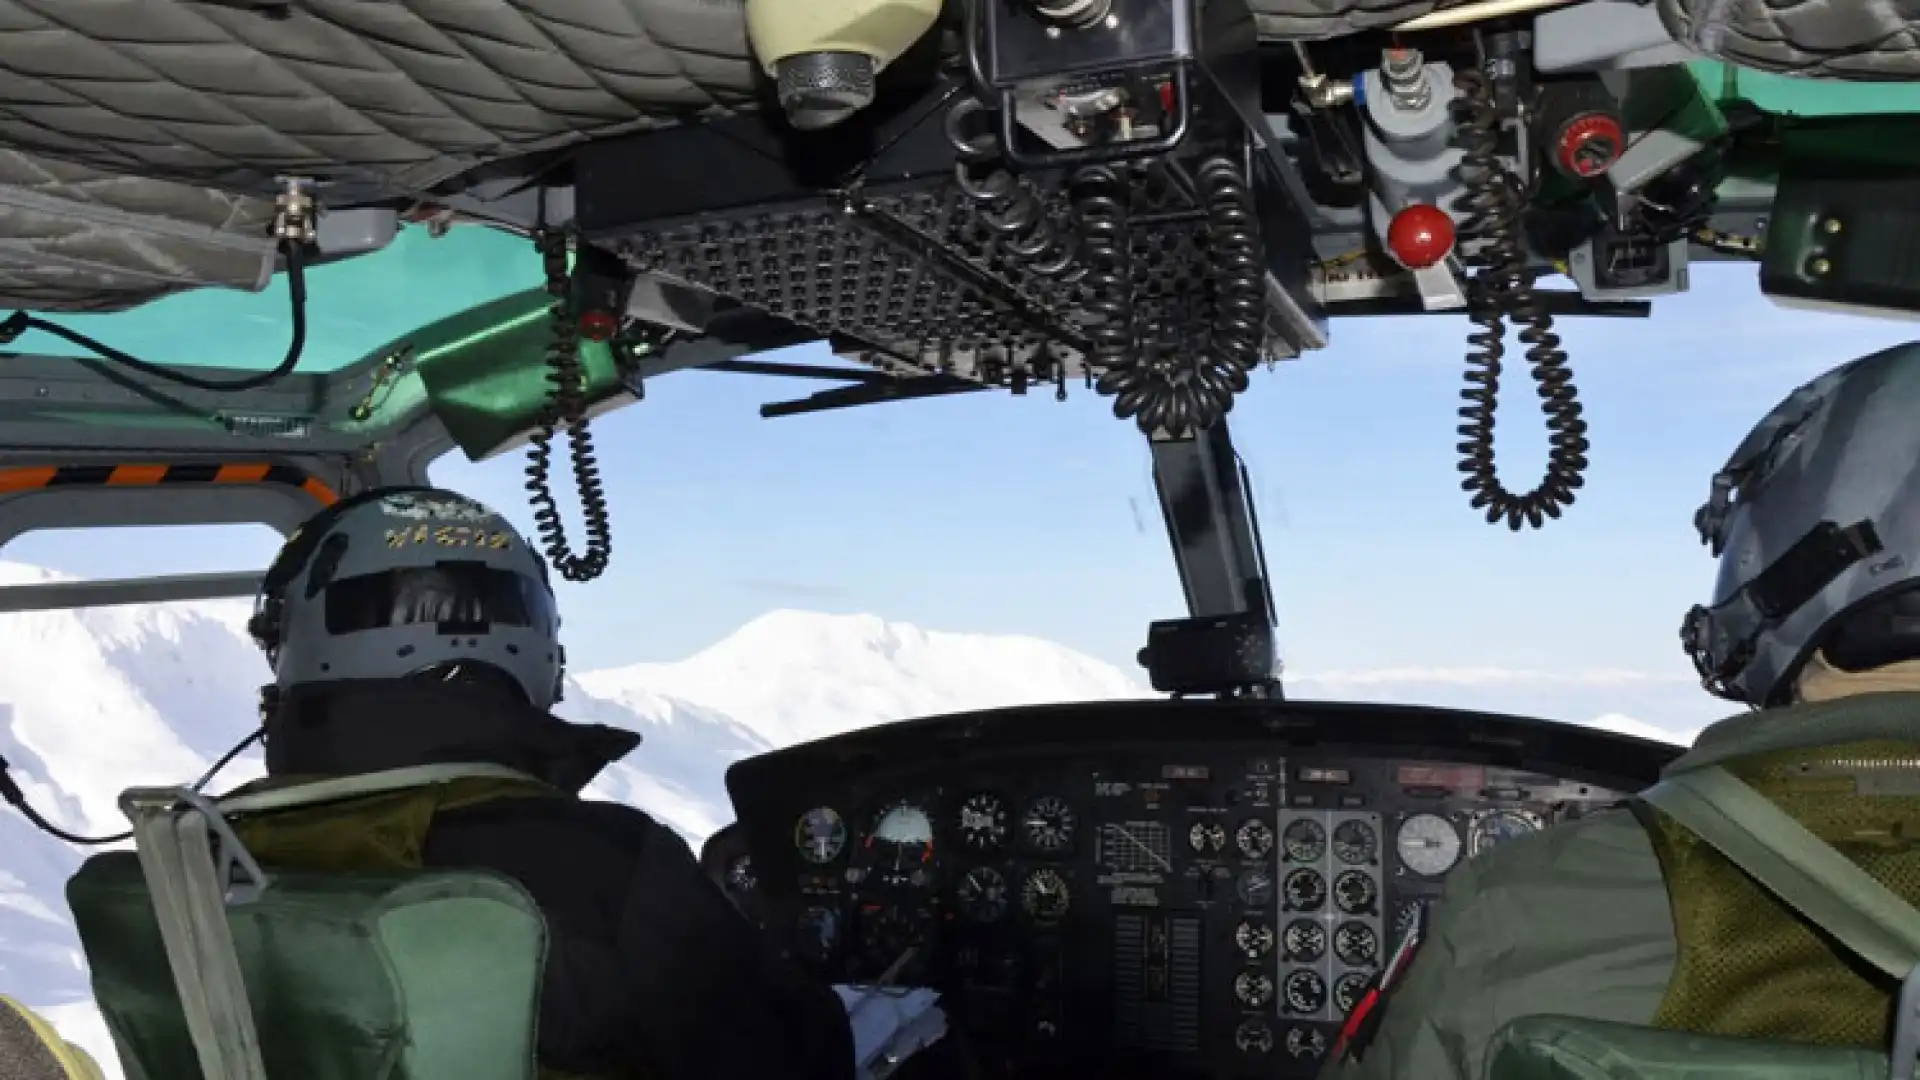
[(1571, 1048), (206, 966)]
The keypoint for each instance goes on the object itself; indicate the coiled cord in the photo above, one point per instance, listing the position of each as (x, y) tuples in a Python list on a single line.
[(1015, 215), (1502, 288), (1100, 204), (1181, 390), (566, 404)]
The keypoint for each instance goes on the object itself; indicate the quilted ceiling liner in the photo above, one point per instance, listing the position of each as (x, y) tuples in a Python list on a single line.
[(129, 120)]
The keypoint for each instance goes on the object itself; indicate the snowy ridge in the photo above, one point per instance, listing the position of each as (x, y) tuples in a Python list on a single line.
[(100, 700)]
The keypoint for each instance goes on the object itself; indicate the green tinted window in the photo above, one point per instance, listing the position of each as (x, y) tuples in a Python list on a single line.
[(353, 307)]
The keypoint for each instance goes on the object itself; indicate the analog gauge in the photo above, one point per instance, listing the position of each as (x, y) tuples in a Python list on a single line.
[(1306, 1042), (820, 836), (1408, 917), (1304, 840), (1305, 890), (1253, 988), (885, 933), (1348, 990), (1355, 843), (1355, 892), (1207, 837), (1428, 844), (1304, 940), (1254, 838), (1356, 944), (816, 936), (1045, 896), (1253, 1036), (1048, 825), (1499, 827), (1255, 887), (1255, 939), (983, 822), (983, 894), (900, 845), (740, 877), (1304, 992)]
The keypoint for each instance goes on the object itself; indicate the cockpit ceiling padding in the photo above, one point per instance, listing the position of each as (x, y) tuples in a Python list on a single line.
[(75, 239), (1864, 40), (400, 93)]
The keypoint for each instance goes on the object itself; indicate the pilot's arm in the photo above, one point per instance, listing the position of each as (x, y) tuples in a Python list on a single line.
[(1572, 921)]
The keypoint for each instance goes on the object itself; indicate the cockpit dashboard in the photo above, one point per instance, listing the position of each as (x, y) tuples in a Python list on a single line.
[(1144, 888)]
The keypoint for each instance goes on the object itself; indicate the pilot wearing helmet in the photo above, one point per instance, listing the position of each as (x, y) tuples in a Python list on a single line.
[(1754, 912), (414, 627)]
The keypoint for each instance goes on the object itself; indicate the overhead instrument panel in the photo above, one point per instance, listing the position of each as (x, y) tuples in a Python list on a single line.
[(1148, 888)]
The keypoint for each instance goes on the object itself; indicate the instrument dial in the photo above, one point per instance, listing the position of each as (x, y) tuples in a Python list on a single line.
[(1428, 844), (1253, 988), (1356, 944), (816, 935), (820, 836), (1049, 825), (1255, 939), (1355, 843), (983, 822), (1255, 886), (1304, 992), (900, 845), (1411, 915), (983, 895), (1355, 892), (885, 933), (1305, 890), (1348, 990), (1207, 837), (1304, 940), (1254, 838), (1305, 1042), (1305, 841), (1045, 896), (740, 877), (1500, 827), (1253, 1036)]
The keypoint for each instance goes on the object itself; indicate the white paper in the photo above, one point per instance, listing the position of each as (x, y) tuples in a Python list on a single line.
[(890, 1024)]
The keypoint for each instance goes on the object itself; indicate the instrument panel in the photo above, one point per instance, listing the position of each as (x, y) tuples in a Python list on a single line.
[(1194, 888)]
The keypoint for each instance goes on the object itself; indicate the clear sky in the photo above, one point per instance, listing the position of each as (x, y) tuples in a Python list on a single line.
[(1023, 515)]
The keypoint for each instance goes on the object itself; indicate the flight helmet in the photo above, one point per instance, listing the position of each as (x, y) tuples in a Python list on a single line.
[(396, 581), (1816, 522)]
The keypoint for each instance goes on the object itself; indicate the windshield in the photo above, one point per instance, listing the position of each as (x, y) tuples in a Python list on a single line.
[(353, 307)]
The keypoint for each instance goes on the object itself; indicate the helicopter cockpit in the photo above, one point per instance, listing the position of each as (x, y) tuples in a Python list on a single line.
[(1149, 200)]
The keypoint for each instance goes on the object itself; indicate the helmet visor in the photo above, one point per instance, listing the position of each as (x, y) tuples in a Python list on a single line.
[(454, 597)]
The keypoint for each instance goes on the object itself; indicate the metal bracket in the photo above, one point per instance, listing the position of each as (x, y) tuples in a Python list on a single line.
[(1226, 646)]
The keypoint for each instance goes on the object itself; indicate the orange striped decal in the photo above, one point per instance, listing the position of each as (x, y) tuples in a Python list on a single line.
[(35, 477)]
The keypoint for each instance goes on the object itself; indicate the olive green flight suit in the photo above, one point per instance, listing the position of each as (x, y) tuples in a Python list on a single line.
[(1575, 920)]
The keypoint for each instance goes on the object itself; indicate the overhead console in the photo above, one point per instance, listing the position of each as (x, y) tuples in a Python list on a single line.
[(1161, 887)]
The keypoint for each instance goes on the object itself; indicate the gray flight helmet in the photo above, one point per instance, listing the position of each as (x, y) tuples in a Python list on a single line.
[(1816, 514), (394, 581)]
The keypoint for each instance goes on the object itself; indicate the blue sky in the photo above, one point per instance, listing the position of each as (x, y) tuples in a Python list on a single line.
[(1023, 515)]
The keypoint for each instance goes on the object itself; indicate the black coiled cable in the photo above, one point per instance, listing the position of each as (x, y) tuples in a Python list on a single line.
[(1013, 214), (1181, 390), (566, 405), (1100, 204), (1502, 287)]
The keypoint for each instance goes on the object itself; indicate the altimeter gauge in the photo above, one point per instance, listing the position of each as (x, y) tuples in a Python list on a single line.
[(982, 822)]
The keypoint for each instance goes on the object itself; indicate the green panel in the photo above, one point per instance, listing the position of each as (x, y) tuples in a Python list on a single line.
[(489, 383), (336, 969), (1793, 96), (353, 306), (1566, 1048)]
